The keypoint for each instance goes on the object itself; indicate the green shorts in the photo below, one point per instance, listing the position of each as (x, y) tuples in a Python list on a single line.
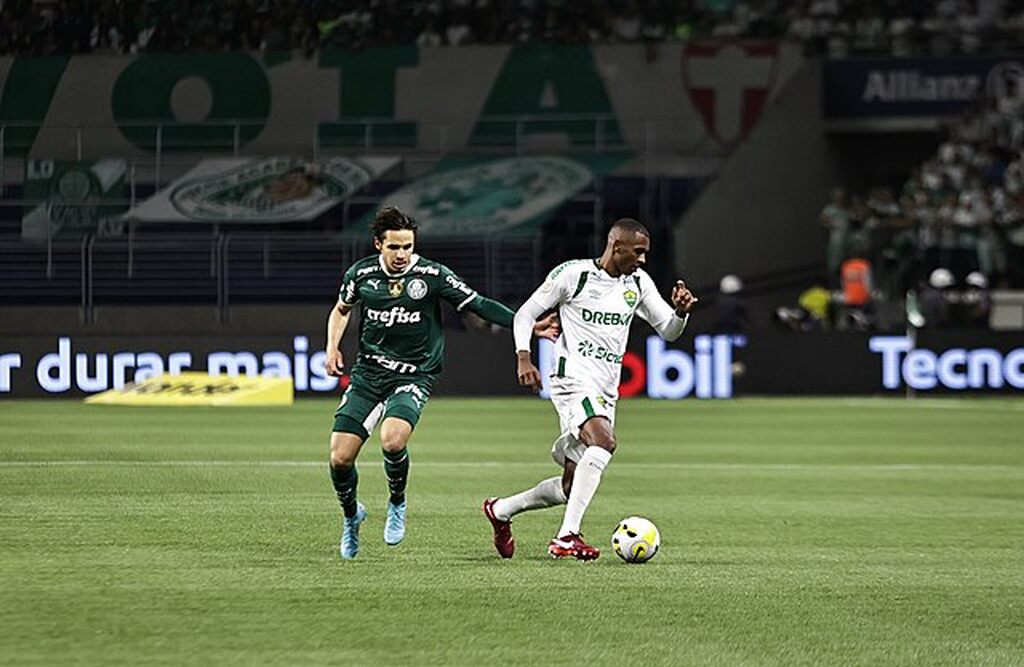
[(373, 396)]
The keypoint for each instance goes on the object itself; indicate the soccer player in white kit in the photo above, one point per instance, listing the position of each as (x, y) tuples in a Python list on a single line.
[(596, 301)]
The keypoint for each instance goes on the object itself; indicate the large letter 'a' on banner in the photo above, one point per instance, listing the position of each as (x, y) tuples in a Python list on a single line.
[(561, 91)]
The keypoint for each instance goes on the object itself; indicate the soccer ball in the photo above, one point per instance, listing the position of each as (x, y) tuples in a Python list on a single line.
[(636, 540)]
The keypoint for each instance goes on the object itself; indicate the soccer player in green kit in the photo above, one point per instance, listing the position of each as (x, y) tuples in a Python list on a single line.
[(401, 349)]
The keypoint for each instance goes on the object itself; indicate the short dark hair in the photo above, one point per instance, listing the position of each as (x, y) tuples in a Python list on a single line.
[(630, 225), (390, 218)]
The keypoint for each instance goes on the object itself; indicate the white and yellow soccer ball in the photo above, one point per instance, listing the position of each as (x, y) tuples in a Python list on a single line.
[(636, 540)]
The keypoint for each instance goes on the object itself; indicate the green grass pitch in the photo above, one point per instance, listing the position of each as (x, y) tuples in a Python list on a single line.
[(795, 532)]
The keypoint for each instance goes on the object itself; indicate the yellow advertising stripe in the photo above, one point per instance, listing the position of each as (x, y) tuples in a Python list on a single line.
[(195, 388)]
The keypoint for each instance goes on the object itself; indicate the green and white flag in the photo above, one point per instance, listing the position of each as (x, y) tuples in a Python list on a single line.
[(271, 189), (70, 198), (481, 196)]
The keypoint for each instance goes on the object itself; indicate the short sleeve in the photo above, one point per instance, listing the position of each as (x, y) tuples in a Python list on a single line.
[(454, 289), (349, 293), (558, 287)]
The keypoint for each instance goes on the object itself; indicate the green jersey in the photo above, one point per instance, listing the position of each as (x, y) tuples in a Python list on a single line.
[(400, 328)]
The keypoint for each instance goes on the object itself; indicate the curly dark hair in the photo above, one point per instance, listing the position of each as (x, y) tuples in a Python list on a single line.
[(389, 218)]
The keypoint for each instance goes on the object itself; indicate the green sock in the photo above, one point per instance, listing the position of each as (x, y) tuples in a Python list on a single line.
[(396, 467), (345, 479)]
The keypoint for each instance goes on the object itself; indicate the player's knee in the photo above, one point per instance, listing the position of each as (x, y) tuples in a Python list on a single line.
[(392, 442), (341, 458), (598, 433), (605, 441), (342, 455)]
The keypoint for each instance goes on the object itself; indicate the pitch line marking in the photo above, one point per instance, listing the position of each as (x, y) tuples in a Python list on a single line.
[(882, 467), (935, 404)]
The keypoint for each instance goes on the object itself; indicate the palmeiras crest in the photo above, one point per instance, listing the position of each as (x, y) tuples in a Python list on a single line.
[(729, 83)]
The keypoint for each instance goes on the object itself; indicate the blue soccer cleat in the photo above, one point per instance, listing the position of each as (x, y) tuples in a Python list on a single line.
[(394, 525), (350, 533)]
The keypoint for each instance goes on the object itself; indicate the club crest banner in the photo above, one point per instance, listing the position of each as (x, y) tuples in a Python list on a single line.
[(69, 198), (271, 189), (476, 197)]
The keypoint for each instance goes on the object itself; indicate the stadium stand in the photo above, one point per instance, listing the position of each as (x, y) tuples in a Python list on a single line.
[(833, 27), (961, 210)]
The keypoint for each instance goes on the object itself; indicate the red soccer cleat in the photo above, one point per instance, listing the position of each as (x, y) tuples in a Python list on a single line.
[(572, 545), (503, 540)]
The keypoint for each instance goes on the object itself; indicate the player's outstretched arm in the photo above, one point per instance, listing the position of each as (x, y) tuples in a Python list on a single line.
[(337, 321), (497, 313), (493, 311)]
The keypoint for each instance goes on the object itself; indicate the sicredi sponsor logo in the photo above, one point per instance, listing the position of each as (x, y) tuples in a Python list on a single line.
[(63, 370), (393, 316), (670, 373), (956, 368)]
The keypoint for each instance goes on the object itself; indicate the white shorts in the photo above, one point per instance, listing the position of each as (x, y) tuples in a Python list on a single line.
[(576, 404)]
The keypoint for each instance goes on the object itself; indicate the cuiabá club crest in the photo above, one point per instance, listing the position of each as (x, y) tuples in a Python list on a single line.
[(729, 83)]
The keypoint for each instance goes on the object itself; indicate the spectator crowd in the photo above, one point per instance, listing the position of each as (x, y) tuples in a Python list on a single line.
[(956, 224), (834, 27), (961, 210)]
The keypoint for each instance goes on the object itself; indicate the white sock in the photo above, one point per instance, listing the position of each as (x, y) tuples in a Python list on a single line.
[(584, 485), (545, 494)]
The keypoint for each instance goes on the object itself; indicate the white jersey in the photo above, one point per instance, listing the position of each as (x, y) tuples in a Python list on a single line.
[(596, 311)]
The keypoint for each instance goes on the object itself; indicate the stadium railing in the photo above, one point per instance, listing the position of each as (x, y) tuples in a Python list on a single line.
[(223, 268)]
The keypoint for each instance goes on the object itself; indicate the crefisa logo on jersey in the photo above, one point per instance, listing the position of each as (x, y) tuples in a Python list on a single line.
[(392, 316), (417, 289)]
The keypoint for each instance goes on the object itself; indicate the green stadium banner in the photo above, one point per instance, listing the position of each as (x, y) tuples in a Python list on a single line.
[(473, 196), (69, 198), (675, 97), (271, 189)]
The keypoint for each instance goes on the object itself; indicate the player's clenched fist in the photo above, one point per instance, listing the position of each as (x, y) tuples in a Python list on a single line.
[(682, 298)]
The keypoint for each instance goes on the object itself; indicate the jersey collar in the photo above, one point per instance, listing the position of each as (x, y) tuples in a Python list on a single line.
[(605, 274), (412, 262)]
